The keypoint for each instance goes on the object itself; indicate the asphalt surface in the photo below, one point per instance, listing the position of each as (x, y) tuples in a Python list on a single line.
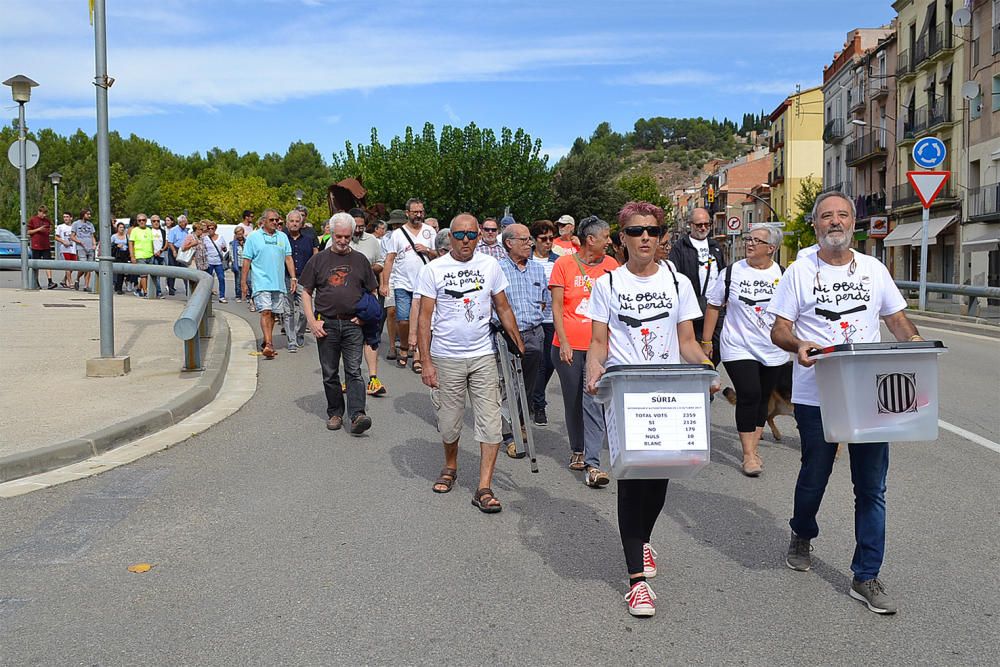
[(274, 541)]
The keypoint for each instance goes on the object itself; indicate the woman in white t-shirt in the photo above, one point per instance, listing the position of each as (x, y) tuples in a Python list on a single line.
[(641, 314), (752, 360)]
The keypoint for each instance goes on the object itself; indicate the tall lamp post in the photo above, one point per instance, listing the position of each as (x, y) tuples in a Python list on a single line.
[(55, 177), (299, 195), (20, 87)]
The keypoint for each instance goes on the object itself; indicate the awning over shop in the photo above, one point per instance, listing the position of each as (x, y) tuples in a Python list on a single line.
[(909, 233), (984, 243), (902, 234)]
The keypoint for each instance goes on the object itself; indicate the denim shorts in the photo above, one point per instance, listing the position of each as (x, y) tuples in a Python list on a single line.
[(85, 255), (273, 301), (404, 300)]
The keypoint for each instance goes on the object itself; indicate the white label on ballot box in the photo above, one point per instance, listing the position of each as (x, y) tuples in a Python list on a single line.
[(665, 422)]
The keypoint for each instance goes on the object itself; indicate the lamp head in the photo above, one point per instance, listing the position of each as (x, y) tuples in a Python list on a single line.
[(20, 87), (55, 177)]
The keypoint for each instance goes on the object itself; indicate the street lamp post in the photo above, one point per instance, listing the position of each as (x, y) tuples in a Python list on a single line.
[(20, 87), (299, 194), (55, 177)]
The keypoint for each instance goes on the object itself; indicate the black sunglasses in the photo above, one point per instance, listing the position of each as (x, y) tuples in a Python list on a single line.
[(636, 231), (461, 236)]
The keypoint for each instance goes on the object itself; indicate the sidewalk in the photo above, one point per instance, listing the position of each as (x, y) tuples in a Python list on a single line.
[(53, 414)]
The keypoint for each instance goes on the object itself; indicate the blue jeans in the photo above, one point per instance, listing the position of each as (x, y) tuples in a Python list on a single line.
[(237, 282), (584, 415), (545, 369), (159, 261), (343, 340), (869, 465), (219, 272), (404, 300)]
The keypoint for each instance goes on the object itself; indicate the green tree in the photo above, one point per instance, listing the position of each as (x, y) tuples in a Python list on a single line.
[(799, 232), (642, 186), (584, 185)]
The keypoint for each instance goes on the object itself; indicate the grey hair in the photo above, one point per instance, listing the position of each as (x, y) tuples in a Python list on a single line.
[(443, 240), (774, 235), (834, 193), (263, 215), (294, 211), (181, 217), (342, 218), (506, 235), (378, 224), (591, 226)]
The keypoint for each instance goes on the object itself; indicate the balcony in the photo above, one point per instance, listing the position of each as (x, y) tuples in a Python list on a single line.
[(904, 196), (880, 92), (920, 50), (838, 187), (777, 176), (996, 39), (858, 99), (866, 147), (904, 67), (869, 205), (833, 133), (940, 41), (984, 203), (915, 124), (940, 113)]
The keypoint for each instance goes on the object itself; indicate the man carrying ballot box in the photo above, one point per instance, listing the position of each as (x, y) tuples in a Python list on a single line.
[(834, 297)]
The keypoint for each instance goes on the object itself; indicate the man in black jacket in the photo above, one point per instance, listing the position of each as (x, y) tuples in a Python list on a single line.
[(700, 258)]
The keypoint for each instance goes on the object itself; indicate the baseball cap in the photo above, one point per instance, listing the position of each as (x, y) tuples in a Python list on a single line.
[(565, 220)]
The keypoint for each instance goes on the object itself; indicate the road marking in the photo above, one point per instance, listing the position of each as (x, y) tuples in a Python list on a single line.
[(969, 435), (961, 333)]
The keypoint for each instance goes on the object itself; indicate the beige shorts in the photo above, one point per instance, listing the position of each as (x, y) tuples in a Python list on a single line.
[(476, 378)]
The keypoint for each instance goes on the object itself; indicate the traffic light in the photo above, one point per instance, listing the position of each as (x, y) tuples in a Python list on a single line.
[(711, 194)]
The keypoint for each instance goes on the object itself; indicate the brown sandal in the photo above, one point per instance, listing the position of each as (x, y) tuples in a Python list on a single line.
[(486, 501), (576, 462), (446, 479)]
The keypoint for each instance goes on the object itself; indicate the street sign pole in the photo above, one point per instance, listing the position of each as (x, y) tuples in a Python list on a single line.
[(925, 224), (22, 147), (105, 275)]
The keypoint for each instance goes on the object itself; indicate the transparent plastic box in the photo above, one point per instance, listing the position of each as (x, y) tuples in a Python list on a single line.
[(658, 419), (879, 392)]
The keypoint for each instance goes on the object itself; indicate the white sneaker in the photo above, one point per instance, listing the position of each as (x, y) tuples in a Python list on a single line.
[(640, 600), (648, 561)]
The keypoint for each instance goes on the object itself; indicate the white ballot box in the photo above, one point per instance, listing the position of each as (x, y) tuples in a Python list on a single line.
[(657, 419), (879, 392)]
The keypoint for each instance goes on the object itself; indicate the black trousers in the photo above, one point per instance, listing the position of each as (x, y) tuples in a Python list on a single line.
[(640, 502), (753, 382)]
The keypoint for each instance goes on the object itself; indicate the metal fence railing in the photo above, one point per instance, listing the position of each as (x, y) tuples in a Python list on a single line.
[(975, 291), (194, 322)]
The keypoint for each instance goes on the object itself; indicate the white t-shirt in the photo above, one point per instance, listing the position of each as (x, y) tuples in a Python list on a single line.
[(830, 305), (642, 315), (746, 332), (804, 253), (464, 303), (706, 264), (64, 231), (407, 264)]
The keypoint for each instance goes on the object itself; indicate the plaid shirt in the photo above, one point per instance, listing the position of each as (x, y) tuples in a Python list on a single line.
[(526, 292), (495, 251)]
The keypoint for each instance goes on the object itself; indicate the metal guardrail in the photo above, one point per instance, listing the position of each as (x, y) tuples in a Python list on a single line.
[(975, 291), (193, 323)]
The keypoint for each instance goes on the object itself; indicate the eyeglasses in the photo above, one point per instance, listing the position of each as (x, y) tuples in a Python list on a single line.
[(274, 219), (750, 240), (636, 231), (522, 239), (701, 224), (461, 236), (487, 230), (544, 239)]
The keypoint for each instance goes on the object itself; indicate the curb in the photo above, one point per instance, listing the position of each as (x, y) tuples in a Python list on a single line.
[(79, 449), (961, 323)]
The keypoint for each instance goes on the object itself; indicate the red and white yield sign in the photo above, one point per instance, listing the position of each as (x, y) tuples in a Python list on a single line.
[(927, 184)]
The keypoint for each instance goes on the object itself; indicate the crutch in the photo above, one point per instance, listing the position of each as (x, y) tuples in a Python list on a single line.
[(516, 399)]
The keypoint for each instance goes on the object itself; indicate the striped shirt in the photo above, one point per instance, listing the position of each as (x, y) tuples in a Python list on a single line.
[(495, 251)]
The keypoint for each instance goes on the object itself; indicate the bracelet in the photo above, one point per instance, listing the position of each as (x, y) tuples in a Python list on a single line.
[(914, 337), (708, 362), (706, 342)]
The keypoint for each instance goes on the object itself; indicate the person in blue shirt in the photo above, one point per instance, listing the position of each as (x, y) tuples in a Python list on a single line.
[(304, 246), (526, 295), (268, 255), (175, 239)]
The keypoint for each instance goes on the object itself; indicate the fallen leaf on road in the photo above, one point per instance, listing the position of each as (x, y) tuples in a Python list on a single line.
[(256, 354), (139, 568)]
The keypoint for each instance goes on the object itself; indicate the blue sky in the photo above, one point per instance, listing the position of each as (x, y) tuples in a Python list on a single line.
[(256, 75)]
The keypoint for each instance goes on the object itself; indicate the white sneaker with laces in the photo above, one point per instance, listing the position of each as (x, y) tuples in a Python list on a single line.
[(640, 600), (648, 561)]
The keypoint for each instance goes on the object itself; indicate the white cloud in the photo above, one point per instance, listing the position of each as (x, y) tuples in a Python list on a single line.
[(669, 78), (333, 119), (83, 111), (555, 153), (452, 116)]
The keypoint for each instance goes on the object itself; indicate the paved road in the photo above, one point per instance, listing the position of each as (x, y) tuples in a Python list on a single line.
[(276, 542)]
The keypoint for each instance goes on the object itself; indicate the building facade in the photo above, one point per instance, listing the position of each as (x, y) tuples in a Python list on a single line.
[(981, 228), (930, 67), (796, 145)]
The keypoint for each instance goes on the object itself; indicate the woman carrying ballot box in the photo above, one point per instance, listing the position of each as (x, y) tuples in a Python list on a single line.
[(641, 314)]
